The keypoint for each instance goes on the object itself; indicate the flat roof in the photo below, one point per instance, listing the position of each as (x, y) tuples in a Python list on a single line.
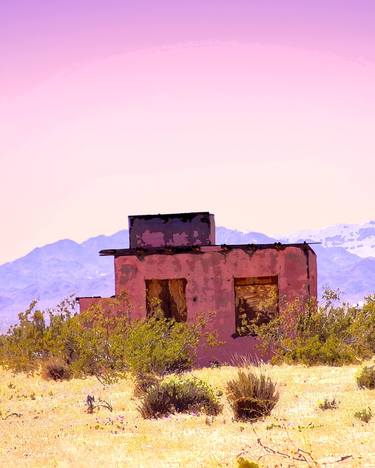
[(199, 249), (193, 213)]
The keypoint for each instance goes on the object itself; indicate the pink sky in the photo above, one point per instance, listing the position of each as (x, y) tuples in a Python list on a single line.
[(261, 114)]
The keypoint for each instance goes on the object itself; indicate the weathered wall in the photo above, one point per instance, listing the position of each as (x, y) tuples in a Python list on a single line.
[(210, 285), (313, 274), (106, 303), (171, 230)]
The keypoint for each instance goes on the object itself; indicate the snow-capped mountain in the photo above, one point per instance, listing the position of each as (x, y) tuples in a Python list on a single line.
[(346, 260), (358, 239)]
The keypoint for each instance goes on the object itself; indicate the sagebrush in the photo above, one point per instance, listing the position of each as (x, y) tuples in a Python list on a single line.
[(328, 404), (179, 394), (251, 396), (364, 415)]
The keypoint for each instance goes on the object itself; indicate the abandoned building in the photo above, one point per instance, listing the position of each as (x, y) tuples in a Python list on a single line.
[(173, 261)]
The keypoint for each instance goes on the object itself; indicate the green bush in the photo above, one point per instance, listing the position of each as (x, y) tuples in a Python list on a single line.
[(90, 343), (22, 348), (98, 341), (179, 394), (250, 396), (160, 346), (313, 351), (330, 332), (366, 377)]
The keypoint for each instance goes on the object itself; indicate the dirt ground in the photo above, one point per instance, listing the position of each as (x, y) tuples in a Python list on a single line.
[(45, 424)]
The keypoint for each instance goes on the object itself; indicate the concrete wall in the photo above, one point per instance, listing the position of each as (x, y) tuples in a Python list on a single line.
[(210, 277), (183, 229), (104, 302), (313, 273)]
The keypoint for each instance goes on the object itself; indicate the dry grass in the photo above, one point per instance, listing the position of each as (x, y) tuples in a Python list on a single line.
[(55, 430)]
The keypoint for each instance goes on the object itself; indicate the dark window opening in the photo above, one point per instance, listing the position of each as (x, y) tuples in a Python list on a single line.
[(167, 297), (256, 303)]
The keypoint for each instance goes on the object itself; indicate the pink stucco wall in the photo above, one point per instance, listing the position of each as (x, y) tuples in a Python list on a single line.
[(210, 277), (85, 303)]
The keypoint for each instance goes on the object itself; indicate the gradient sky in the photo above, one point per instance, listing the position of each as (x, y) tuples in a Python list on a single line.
[(262, 112)]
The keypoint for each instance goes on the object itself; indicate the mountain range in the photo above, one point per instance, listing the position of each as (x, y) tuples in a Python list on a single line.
[(346, 260)]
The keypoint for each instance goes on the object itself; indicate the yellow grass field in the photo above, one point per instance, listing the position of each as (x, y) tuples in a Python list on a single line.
[(52, 427)]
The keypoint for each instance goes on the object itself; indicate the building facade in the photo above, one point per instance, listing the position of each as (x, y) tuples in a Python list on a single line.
[(174, 264)]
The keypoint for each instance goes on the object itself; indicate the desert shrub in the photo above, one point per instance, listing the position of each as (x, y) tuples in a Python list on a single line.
[(22, 348), (89, 343), (366, 377), (364, 415), (92, 342), (328, 404), (251, 396), (101, 341), (142, 384), (313, 351), (179, 394), (160, 346), (55, 369), (330, 332)]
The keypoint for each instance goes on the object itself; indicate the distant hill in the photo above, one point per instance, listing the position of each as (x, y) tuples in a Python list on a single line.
[(65, 267)]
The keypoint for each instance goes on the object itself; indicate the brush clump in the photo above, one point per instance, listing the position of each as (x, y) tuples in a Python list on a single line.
[(179, 394), (251, 396), (366, 377), (55, 369)]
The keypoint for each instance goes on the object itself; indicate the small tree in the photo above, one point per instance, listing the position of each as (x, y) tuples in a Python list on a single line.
[(22, 347)]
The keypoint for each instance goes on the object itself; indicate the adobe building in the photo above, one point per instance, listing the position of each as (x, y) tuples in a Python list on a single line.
[(173, 261)]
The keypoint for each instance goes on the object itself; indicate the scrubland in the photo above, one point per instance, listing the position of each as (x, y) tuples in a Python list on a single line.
[(321, 416), (46, 424)]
